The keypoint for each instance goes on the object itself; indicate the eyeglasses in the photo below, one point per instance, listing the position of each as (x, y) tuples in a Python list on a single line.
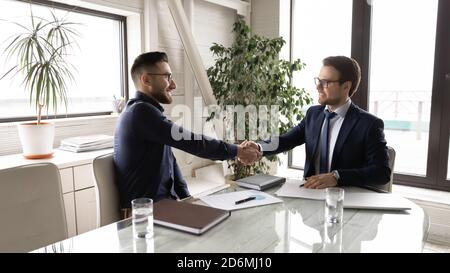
[(323, 83), (168, 75)]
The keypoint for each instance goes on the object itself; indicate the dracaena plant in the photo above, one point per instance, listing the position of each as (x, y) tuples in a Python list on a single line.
[(40, 50), (250, 72)]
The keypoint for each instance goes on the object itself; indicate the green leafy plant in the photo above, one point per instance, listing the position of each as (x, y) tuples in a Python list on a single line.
[(40, 50), (250, 72)]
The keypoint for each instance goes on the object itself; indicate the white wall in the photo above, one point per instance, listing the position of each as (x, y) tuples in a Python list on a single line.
[(265, 18), (271, 18), (210, 23)]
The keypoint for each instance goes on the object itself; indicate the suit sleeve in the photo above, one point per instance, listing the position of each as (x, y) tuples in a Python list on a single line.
[(179, 184), (154, 126), (376, 171), (285, 142)]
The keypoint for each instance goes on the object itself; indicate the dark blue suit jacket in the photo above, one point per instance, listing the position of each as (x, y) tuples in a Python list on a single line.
[(360, 154), (145, 164)]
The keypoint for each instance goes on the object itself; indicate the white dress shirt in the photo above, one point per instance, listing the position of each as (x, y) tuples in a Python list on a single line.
[(335, 127)]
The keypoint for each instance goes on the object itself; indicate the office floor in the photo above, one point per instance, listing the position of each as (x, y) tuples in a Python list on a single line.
[(436, 248)]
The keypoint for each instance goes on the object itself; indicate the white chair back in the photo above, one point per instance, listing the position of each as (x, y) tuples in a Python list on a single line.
[(108, 205), (31, 207)]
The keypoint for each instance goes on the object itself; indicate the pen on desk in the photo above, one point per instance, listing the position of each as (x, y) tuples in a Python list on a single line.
[(303, 184), (244, 200)]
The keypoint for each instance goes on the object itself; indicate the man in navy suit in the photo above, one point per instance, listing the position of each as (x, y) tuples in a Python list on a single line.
[(145, 164), (345, 145)]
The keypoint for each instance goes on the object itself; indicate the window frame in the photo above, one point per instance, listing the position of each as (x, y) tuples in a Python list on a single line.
[(123, 57)]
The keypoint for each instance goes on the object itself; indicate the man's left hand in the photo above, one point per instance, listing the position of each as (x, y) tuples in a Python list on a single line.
[(321, 181)]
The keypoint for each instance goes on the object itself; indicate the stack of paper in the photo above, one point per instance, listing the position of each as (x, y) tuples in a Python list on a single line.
[(87, 143)]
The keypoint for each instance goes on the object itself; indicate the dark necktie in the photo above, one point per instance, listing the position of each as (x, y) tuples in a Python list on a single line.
[(324, 142)]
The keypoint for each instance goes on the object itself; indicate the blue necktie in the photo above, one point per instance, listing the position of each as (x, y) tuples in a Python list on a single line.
[(324, 142)]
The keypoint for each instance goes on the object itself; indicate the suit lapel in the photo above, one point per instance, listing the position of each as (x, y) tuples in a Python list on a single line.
[(349, 122)]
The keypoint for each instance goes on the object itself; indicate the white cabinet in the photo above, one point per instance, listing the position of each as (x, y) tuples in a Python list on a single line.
[(66, 179), (69, 206), (69, 199), (85, 210), (79, 198), (83, 177)]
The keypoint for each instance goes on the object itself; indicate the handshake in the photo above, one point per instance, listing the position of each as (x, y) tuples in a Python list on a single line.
[(248, 152)]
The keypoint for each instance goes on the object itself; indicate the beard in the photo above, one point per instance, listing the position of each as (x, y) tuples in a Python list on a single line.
[(163, 97), (328, 101)]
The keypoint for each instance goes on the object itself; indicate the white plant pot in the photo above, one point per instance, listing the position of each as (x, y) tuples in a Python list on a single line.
[(37, 140)]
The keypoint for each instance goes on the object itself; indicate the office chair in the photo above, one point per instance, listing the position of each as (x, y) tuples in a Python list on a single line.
[(31, 207), (391, 154), (386, 188), (108, 206)]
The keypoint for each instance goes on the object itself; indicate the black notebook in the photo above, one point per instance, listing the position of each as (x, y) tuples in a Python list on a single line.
[(187, 217), (260, 181)]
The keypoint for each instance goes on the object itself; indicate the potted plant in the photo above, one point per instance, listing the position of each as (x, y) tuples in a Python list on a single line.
[(40, 52), (250, 72)]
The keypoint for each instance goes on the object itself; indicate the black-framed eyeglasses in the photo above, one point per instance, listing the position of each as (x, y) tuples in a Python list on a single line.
[(323, 83), (168, 75)]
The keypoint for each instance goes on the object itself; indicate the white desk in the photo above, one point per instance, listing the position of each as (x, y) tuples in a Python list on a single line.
[(293, 226)]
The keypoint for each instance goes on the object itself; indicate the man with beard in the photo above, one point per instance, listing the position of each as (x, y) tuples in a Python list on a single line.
[(145, 164)]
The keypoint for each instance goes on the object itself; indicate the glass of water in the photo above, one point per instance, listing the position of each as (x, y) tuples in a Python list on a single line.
[(142, 217), (334, 205)]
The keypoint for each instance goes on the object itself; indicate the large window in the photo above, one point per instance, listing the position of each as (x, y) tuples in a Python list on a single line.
[(402, 46), (99, 60), (400, 93)]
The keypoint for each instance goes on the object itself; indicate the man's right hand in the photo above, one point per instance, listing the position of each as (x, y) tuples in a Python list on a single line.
[(248, 152), (251, 144)]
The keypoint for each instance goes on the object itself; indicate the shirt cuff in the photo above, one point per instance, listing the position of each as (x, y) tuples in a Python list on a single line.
[(259, 147), (232, 149)]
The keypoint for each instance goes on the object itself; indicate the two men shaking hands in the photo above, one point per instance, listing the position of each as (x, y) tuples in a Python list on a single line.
[(249, 152)]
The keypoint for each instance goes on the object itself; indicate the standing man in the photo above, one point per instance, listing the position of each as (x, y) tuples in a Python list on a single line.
[(345, 145), (145, 164)]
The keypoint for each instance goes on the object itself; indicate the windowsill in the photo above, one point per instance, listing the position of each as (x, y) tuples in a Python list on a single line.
[(66, 127), (62, 120), (420, 194)]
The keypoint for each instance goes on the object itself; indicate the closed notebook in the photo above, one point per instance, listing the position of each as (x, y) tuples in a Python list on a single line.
[(187, 217), (260, 181)]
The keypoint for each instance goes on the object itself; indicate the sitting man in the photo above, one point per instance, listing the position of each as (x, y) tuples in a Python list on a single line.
[(344, 144), (145, 164)]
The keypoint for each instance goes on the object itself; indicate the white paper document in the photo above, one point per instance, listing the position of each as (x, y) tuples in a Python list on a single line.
[(292, 189), (227, 201), (354, 198)]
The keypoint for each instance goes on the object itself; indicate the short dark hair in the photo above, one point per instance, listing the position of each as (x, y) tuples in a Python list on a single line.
[(348, 68), (145, 61)]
